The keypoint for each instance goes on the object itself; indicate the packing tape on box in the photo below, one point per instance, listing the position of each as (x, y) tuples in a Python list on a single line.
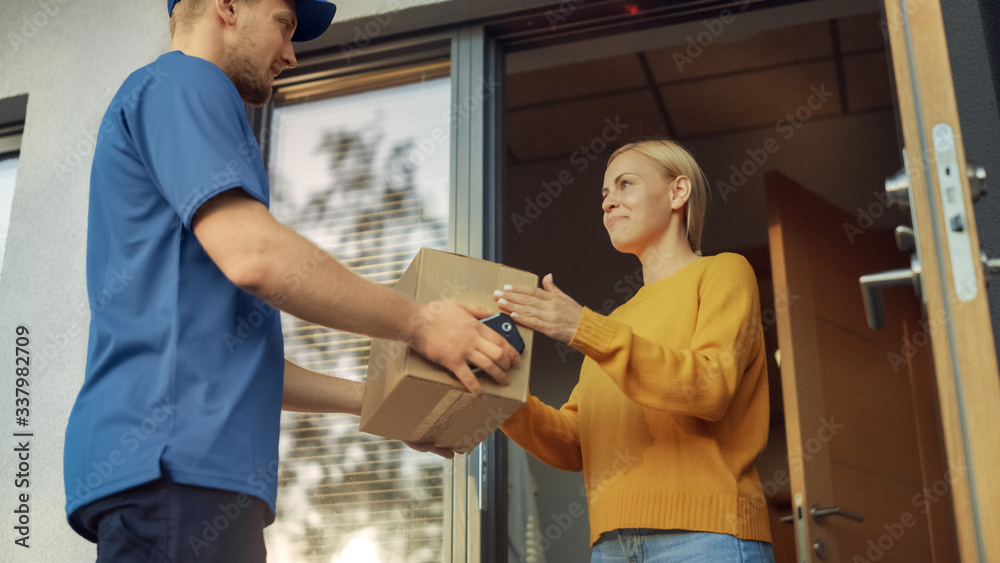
[(453, 405)]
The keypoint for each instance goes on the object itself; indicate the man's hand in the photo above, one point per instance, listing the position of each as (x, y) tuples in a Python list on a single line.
[(547, 310), (451, 335)]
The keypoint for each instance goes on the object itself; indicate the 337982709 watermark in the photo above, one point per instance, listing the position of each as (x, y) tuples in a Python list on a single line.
[(22, 436)]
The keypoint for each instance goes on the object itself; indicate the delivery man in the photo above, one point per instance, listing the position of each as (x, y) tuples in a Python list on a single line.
[(176, 425)]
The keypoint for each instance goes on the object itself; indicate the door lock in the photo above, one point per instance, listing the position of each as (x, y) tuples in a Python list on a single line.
[(897, 188), (819, 546)]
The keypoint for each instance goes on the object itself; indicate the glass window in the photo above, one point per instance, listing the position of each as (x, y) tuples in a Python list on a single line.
[(363, 173), (8, 173)]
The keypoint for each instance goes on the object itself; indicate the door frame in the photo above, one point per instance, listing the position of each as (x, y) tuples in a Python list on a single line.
[(962, 343), (961, 333)]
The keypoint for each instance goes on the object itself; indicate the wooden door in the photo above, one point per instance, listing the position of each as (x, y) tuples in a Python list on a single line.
[(863, 435), (961, 335)]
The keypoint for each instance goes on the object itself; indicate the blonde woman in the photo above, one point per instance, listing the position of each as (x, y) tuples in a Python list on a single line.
[(671, 409)]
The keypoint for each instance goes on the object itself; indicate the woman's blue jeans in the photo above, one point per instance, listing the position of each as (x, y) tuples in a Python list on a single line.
[(641, 545)]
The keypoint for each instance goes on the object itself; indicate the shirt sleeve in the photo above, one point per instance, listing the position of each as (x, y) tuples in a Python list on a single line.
[(551, 435), (699, 380), (192, 134)]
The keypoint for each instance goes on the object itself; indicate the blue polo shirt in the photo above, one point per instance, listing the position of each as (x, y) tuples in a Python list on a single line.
[(184, 369)]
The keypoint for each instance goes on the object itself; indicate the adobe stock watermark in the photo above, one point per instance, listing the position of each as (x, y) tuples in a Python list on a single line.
[(130, 440), (233, 172), (80, 151), (562, 522), (451, 289), (373, 27), (417, 323), (228, 513), (32, 25), (227, 175), (867, 214), (628, 285), (118, 280), (582, 158), (422, 150), (714, 27), (785, 128), (625, 288), (482, 90), (910, 345), (828, 429), (494, 418), (891, 533), (562, 13), (249, 148), (702, 389), (213, 529), (779, 479), (291, 280)]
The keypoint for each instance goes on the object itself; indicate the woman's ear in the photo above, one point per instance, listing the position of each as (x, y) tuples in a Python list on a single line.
[(680, 192)]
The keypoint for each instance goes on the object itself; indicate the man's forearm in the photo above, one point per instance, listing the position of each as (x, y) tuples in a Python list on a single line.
[(309, 391), (300, 278), (276, 264)]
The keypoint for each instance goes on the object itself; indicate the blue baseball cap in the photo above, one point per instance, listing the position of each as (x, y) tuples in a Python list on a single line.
[(313, 16)]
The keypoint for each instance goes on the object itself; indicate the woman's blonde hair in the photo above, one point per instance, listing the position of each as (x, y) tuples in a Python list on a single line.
[(674, 160)]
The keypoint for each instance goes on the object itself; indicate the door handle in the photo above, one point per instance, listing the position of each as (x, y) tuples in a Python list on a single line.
[(873, 284), (820, 514)]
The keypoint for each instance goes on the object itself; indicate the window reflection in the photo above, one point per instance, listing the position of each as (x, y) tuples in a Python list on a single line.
[(365, 177), (8, 173)]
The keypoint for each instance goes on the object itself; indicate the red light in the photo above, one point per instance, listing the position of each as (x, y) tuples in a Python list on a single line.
[(632, 9)]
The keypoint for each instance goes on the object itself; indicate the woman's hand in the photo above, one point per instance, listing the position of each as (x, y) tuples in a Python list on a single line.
[(547, 310)]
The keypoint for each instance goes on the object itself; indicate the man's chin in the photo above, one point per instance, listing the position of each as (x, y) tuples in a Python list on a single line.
[(256, 101), (255, 97)]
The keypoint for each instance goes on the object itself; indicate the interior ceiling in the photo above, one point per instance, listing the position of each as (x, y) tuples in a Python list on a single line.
[(687, 90)]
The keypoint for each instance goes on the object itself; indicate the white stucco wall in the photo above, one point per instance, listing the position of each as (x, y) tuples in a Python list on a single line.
[(69, 57)]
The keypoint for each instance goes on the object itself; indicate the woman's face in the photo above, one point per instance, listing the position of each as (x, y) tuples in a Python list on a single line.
[(638, 201)]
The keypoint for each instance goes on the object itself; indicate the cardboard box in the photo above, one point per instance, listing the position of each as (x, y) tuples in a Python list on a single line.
[(412, 399)]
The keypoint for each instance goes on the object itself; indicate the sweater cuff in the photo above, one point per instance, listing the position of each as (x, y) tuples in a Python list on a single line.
[(594, 335)]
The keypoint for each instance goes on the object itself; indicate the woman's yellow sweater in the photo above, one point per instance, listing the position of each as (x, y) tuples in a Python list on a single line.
[(671, 410)]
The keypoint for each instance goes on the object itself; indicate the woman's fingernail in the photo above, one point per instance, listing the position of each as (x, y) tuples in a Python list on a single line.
[(513, 315), (508, 287), (503, 301), (498, 293)]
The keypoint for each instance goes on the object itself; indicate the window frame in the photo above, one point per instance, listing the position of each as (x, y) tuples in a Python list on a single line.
[(10, 148), (475, 516), (10, 140)]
